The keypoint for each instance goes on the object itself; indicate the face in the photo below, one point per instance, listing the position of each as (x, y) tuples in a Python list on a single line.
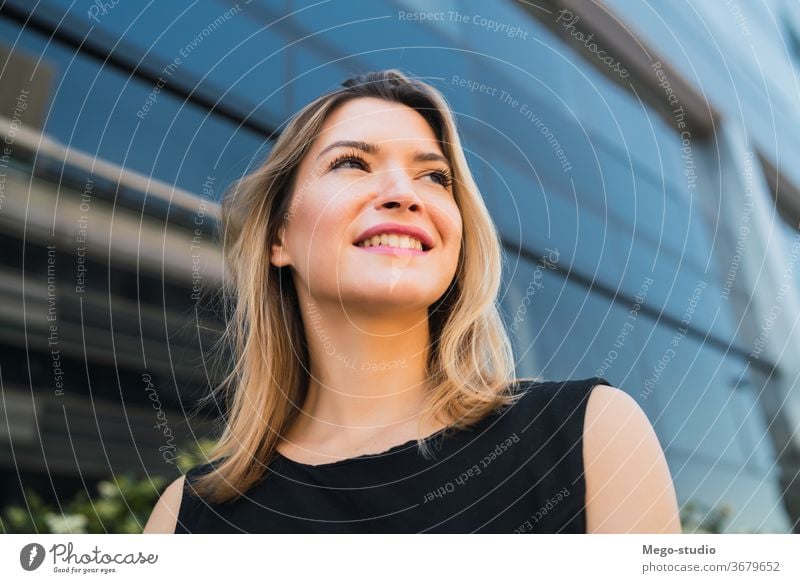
[(396, 181)]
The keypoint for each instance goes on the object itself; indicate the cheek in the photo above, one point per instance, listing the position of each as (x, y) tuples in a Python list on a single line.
[(453, 224), (320, 228), (456, 234)]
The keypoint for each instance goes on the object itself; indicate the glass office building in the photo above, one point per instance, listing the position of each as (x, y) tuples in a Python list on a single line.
[(637, 159)]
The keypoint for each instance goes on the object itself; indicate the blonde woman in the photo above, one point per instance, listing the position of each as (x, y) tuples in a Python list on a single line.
[(373, 385)]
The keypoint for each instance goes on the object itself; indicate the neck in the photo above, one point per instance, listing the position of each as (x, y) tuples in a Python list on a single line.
[(368, 373)]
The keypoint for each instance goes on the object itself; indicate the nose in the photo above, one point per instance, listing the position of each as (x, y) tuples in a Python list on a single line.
[(398, 191)]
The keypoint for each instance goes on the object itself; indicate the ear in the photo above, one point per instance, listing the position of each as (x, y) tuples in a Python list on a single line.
[(279, 254)]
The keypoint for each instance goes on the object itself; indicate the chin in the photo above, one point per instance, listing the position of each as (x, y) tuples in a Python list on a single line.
[(384, 297)]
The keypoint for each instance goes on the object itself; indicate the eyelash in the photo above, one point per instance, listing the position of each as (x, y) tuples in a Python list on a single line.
[(444, 173)]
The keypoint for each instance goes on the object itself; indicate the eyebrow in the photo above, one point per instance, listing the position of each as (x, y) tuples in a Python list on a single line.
[(374, 149)]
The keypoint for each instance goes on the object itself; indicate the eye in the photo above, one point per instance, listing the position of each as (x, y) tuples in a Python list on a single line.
[(345, 159), (444, 177)]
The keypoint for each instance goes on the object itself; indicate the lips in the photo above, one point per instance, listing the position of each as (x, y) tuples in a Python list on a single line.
[(399, 229)]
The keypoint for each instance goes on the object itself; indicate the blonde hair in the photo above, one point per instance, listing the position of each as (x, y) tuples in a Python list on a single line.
[(471, 363)]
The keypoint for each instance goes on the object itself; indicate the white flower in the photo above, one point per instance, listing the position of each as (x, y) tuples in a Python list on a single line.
[(66, 523), (107, 489)]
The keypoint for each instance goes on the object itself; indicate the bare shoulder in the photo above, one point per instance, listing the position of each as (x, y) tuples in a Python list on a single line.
[(606, 405), (165, 513), (628, 484)]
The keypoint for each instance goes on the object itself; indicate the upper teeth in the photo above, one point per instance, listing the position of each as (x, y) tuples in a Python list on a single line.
[(392, 240)]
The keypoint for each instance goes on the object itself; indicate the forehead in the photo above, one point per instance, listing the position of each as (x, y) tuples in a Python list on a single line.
[(386, 123)]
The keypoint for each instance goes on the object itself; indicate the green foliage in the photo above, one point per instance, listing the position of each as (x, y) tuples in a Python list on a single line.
[(122, 505), (195, 454), (697, 518)]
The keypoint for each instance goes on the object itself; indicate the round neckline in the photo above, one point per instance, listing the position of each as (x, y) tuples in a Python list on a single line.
[(365, 456), (394, 448)]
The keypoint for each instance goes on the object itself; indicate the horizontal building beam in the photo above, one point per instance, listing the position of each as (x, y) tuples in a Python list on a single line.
[(588, 26), (127, 59)]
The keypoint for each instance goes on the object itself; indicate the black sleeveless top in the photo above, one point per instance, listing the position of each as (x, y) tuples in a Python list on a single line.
[(518, 470)]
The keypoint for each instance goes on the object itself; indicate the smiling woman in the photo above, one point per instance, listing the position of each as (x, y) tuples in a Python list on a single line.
[(363, 242)]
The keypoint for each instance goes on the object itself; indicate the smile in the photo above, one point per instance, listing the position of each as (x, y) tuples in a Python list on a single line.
[(393, 244), (393, 240), (389, 250)]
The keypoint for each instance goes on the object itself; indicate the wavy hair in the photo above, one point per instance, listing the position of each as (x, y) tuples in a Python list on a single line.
[(470, 368)]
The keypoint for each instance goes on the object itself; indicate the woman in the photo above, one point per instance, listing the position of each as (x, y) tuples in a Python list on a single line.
[(373, 388)]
